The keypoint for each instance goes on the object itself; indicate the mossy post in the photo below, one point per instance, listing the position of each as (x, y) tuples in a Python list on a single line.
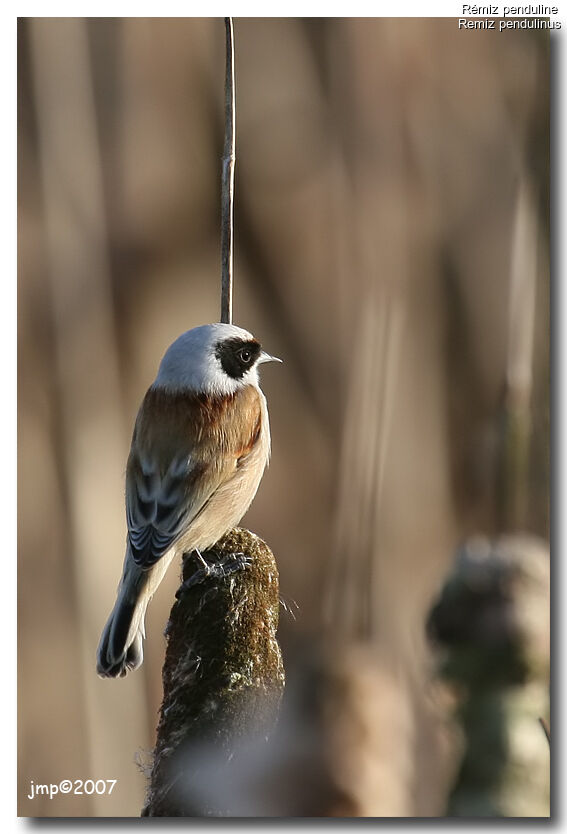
[(491, 623), (223, 678)]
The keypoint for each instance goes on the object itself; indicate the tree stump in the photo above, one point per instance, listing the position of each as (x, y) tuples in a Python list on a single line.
[(223, 679)]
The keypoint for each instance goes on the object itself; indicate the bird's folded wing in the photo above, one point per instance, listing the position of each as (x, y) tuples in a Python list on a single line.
[(179, 458)]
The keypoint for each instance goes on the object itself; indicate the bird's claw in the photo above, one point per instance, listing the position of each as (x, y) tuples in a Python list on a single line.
[(226, 565)]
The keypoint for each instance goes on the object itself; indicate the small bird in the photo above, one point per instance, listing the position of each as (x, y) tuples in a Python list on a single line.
[(200, 445)]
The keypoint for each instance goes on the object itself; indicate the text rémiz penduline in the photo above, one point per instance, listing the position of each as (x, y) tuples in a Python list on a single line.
[(510, 10), (509, 17)]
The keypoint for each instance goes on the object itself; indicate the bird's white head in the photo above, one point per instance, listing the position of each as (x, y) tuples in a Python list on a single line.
[(215, 359)]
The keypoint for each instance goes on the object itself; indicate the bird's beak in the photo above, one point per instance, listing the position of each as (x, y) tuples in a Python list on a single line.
[(265, 357)]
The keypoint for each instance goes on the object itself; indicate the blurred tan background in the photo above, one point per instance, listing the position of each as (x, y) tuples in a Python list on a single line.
[(391, 245)]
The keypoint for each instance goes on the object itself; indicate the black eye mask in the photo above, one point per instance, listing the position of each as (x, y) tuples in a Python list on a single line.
[(237, 356)]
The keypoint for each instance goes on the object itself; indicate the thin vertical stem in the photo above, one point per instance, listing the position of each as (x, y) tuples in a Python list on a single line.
[(516, 423), (228, 161)]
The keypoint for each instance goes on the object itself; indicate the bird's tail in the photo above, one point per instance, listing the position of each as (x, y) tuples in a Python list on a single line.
[(121, 645)]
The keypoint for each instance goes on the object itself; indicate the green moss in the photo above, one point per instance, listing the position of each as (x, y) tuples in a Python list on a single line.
[(223, 675)]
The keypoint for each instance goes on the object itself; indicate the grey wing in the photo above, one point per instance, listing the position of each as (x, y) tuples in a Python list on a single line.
[(160, 507)]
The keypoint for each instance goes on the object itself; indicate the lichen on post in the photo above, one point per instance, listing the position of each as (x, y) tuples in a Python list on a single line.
[(223, 678)]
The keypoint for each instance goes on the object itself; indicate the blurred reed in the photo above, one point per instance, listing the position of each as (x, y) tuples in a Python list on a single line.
[(83, 323)]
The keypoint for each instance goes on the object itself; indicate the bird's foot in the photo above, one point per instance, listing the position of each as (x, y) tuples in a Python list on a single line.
[(229, 563)]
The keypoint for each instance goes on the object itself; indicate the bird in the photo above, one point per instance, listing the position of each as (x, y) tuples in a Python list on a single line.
[(200, 445)]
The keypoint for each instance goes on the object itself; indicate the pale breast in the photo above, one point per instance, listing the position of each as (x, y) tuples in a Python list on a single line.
[(234, 495)]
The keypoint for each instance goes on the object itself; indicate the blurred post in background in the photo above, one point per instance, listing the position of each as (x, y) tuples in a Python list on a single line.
[(384, 169)]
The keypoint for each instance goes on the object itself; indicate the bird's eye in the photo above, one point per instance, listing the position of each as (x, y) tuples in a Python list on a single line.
[(245, 355)]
